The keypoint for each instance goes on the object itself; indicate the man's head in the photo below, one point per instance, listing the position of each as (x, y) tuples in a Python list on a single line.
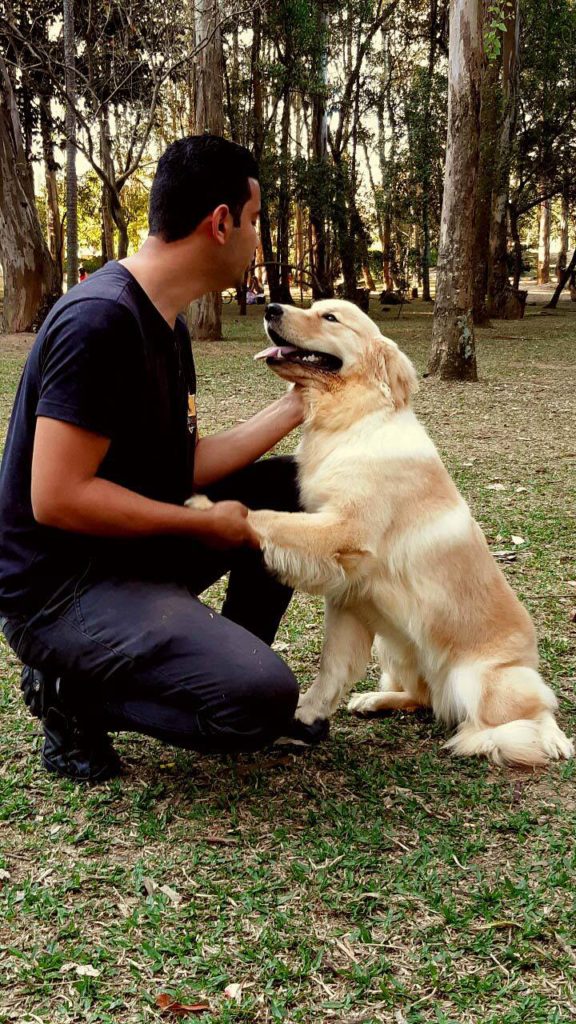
[(205, 184)]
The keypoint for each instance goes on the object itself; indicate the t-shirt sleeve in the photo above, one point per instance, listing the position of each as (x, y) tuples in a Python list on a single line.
[(85, 367)]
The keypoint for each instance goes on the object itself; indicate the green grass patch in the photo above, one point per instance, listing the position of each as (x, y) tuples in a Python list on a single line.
[(373, 880)]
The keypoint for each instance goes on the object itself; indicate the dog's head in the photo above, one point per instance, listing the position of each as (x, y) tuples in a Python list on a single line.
[(334, 343)]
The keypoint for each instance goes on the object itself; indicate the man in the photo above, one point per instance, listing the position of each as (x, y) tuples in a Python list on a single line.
[(100, 562)]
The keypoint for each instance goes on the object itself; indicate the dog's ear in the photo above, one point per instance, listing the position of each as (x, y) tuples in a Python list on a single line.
[(393, 371)]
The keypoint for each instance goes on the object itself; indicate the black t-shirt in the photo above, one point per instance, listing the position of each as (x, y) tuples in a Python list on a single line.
[(105, 360)]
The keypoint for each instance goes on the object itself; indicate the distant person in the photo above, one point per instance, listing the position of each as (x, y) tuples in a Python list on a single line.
[(82, 274), (255, 293)]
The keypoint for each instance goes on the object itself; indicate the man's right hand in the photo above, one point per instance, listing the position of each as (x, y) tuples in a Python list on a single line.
[(229, 526)]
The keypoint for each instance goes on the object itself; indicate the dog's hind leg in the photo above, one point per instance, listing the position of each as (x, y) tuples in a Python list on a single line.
[(401, 686), (345, 655)]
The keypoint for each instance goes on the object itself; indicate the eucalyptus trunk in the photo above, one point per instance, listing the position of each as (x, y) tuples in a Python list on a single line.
[(453, 355), (502, 301), (320, 263), (31, 279), (209, 95), (544, 243), (53, 218), (71, 174), (564, 222)]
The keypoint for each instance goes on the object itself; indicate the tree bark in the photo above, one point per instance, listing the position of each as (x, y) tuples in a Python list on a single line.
[(108, 167), (501, 301), (489, 111), (31, 280), (544, 243), (427, 170), (53, 218), (209, 93), (322, 286), (71, 176), (282, 293), (564, 221), (453, 355), (567, 274)]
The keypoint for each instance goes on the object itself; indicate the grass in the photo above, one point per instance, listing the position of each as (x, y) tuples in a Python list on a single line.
[(374, 880)]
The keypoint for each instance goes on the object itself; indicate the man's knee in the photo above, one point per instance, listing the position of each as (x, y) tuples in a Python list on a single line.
[(273, 698)]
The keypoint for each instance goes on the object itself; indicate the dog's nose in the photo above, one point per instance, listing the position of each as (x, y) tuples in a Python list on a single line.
[(273, 311)]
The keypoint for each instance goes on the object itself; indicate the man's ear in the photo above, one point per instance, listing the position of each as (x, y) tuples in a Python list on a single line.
[(392, 370), (220, 224)]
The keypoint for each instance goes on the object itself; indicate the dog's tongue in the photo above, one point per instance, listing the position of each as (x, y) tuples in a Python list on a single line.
[(275, 351)]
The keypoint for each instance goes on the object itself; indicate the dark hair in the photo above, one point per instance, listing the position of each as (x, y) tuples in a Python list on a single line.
[(194, 176)]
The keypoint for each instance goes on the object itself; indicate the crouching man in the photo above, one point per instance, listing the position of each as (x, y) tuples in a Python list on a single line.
[(100, 563)]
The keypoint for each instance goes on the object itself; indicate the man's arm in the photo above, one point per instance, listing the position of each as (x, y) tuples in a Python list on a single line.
[(67, 494), (221, 454)]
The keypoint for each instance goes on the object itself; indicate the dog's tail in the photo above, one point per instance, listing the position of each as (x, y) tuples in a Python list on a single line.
[(527, 742), (527, 734)]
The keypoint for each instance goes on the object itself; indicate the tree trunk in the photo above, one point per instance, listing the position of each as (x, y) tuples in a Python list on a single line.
[(53, 218), (209, 92), (322, 286), (564, 221), (282, 293), (515, 232), (567, 274), (453, 355), (31, 280), (108, 166), (501, 301), (71, 177), (544, 243), (427, 169), (489, 111), (268, 257)]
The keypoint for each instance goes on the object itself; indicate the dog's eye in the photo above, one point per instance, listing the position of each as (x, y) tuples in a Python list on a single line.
[(331, 317)]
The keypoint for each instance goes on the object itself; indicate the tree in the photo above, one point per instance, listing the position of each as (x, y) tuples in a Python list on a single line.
[(453, 355), (502, 300), (31, 278), (71, 177), (209, 116)]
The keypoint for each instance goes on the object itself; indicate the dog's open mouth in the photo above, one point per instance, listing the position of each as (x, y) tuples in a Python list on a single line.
[(284, 352)]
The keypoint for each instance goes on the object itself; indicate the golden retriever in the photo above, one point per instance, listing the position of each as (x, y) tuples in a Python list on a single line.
[(392, 545)]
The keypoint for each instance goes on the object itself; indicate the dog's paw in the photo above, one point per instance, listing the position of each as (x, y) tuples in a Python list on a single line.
[(199, 502), (300, 735), (365, 703)]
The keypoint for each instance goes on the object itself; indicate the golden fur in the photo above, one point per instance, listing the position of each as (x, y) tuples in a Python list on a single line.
[(390, 542)]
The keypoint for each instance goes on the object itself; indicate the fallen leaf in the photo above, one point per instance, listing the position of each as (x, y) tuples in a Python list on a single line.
[(172, 895), (169, 1005), (517, 540), (82, 970), (87, 971), (149, 885), (4, 876), (234, 991), (505, 556), (280, 646), (521, 490), (495, 487)]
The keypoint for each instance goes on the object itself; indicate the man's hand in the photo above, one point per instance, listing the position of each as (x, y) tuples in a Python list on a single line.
[(229, 526)]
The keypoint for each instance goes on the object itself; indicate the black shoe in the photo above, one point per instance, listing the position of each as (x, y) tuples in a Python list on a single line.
[(76, 751), (73, 747), (33, 686)]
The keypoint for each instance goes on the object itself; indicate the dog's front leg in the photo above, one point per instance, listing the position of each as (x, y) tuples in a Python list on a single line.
[(309, 551), (345, 655)]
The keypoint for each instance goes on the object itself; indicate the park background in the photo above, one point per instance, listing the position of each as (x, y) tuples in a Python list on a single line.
[(376, 879)]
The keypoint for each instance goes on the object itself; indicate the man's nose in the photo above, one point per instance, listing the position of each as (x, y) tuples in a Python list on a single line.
[(273, 311)]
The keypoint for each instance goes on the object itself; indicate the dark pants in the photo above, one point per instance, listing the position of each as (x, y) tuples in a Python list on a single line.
[(146, 655)]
